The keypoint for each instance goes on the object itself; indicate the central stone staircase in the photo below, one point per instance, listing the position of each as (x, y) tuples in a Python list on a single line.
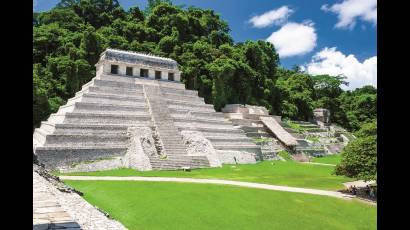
[(170, 139)]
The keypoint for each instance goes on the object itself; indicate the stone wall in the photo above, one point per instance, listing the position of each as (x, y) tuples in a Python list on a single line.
[(57, 160), (97, 165), (236, 157)]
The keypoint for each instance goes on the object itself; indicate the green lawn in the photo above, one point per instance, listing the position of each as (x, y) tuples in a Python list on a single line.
[(330, 159), (167, 205), (270, 172)]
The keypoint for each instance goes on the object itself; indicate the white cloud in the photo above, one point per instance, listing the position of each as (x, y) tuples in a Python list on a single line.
[(333, 62), (350, 10), (277, 16), (294, 39)]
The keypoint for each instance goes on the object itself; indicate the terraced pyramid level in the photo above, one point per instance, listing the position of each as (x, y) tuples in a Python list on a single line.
[(94, 127), (248, 118)]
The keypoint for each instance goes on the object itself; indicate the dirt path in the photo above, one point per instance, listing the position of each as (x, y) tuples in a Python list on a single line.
[(215, 181)]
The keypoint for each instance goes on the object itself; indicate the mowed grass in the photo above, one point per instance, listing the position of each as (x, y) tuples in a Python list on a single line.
[(287, 173), (329, 159), (169, 205)]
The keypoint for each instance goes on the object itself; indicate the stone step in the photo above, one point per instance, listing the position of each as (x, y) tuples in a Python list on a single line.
[(110, 108), (107, 99), (179, 162), (223, 135), (98, 128), (309, 148), (245, 143), (117, 84), (182, 117), (117, 78), (253, 129), (202, 121), (87, 118), (258, 134), (239, 140), (85, 140), (173, 145), (316, 130), (192, 108), (115, 91), (212, 130), (188, 98), (166, 129), (302, 122), (171, 84), (246, 122), (171, 138), (175, 149), (309, 125), (200, 125), (181, 152), (206, 114), (193, 104), (179, 91), (40, 136), (48, 127), (170, 142), (66, 155), (234, 147), (131, 97), (88, 107), (173, 168)]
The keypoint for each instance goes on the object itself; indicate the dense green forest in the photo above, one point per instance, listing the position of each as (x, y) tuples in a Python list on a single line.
[(68, 40)]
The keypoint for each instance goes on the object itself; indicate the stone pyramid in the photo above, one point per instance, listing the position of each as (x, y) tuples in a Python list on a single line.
[(97, 123)]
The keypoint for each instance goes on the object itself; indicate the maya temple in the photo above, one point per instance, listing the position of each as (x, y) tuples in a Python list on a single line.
[(136, 113)]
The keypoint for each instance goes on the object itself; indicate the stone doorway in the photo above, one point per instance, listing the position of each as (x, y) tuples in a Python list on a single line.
[(143, 73)]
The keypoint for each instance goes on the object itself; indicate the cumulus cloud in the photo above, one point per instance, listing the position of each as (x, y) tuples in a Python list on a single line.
[(333, 62), (294, 39), (276, 16), (350, 10)]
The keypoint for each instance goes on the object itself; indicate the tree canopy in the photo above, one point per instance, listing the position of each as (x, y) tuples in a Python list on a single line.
[(359, 157)]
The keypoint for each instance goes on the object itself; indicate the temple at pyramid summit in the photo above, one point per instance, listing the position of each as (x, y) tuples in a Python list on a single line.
[(136, 113)]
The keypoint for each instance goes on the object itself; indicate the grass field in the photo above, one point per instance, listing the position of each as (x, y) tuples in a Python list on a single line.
[(166, 205), (330, 159), (269, 172)]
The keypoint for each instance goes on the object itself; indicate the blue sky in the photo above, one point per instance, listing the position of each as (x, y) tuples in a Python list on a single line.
[(334, 37)]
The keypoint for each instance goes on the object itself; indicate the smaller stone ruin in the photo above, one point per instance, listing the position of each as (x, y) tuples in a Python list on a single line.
[(321, 117)]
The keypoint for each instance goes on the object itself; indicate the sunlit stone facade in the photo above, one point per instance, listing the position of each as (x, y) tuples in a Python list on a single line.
[(134, 64)]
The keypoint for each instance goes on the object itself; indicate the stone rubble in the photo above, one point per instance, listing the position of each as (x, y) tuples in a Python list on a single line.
[(198, 145), (54, 209)]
